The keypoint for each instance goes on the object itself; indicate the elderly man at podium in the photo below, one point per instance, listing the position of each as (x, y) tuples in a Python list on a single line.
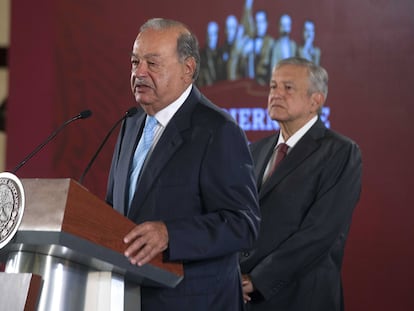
[(182, 171)]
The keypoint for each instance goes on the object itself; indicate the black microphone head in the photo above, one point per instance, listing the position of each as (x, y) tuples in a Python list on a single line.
[(131, 112), (85, 114)]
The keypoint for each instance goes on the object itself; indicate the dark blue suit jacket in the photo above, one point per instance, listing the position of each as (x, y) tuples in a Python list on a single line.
[(306, 207), (199, 180)]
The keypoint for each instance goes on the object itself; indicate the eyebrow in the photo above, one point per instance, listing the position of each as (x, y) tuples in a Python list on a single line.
[(147, 55), (282, 82)]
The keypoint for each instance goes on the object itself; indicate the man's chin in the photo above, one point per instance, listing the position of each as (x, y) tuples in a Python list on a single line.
[(142, 99)]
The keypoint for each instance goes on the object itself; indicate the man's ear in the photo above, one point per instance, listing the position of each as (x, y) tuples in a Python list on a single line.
[(190, 66), (317, 100)]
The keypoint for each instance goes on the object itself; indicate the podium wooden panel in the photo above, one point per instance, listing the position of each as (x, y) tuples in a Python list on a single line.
[(64, 221)]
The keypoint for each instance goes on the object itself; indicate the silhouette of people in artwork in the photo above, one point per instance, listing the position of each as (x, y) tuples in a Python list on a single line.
[(284, 46), (261, 48), (308, 50), (248, 50), (229, 51), (210, 64)]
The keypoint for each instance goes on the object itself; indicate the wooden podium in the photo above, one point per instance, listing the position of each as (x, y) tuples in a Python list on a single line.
[(73, 240)]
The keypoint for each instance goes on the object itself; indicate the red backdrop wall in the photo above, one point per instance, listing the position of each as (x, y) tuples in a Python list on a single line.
[(67, 56)]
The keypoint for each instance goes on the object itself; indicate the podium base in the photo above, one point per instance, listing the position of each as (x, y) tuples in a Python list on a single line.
[(70, 286), (19, 291)]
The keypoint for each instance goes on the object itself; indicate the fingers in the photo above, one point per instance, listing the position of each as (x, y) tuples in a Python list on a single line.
[(145, 241), (247, 287), (245, 278), (246, 292), (246, 298)]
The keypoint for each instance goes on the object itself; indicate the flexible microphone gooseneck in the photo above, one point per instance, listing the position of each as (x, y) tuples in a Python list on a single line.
[(82, 115), (129, 113)]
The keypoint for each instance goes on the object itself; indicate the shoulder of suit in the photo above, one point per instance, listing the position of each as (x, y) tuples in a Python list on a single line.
[(339, 139), (210, 112), (263, 141)]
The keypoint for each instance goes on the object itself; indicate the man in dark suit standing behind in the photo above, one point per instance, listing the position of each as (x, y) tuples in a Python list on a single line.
[(307, 201), (194, 197)]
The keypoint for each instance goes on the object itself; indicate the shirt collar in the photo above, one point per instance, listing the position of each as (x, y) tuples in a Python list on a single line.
[(164, 116), (291, 142)]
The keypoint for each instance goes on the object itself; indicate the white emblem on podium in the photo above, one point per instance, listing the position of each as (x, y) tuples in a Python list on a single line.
[(12, 202)]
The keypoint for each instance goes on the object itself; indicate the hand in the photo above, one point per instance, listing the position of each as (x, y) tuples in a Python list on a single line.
[(247, 286), (146, 241)]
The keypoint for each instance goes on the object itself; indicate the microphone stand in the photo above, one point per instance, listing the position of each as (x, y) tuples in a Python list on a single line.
[(83, 115), (128, 114)]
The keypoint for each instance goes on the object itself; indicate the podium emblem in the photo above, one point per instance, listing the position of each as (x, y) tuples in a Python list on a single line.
[(12, 202)]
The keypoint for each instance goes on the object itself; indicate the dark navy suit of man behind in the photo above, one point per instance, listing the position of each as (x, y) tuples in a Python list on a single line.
[(306, 204)]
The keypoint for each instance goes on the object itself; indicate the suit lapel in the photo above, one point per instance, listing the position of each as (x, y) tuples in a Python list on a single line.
[(169, 142), (263, 158), (130, 141), (302, 150)]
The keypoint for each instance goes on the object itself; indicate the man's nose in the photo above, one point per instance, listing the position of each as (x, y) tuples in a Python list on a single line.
[(276, 92), (140, 69)]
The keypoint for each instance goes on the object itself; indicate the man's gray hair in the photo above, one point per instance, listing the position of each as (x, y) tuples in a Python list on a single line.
[(318, 76), (187, 43)]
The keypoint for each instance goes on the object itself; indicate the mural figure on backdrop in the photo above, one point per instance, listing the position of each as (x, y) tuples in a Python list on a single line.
[(229, 51), (234, 53), (260, 48), (284, 46), (257, 46), (211, 69), (308, 50)]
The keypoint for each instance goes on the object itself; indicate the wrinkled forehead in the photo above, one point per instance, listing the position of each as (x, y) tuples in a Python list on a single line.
[(290, 72), (156, 39), (161, 41)]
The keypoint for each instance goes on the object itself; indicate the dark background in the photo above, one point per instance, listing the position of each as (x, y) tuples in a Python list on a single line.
[(69, 55)]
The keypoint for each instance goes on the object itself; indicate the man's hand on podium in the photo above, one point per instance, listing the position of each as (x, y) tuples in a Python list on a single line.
[(145, 241)]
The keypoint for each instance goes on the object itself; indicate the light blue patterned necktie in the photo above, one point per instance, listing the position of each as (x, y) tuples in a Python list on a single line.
[(140, 154)]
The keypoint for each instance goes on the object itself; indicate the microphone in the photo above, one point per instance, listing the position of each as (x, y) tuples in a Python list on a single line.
[(129, 113), (82, 115)]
